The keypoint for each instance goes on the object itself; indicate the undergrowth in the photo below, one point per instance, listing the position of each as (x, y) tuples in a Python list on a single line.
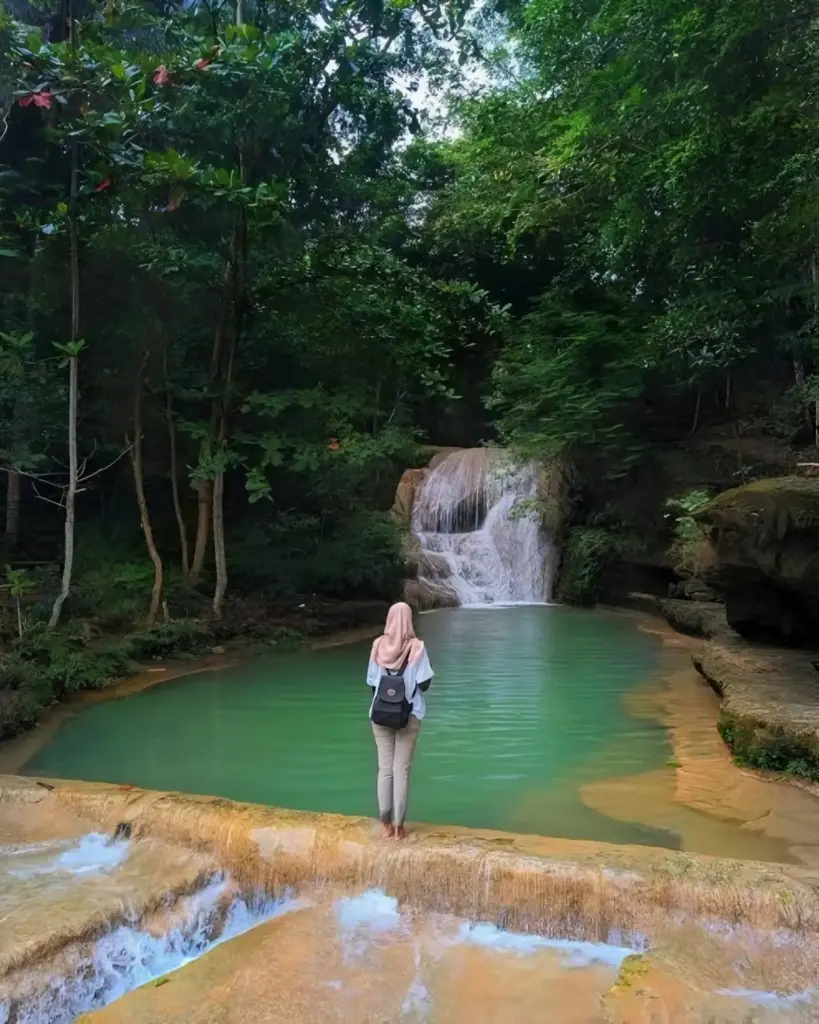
[(588, 553), (767, 749), (44, 668)]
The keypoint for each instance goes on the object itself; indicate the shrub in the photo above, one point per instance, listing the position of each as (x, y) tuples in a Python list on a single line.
[(179, 636), (768, 750), (687, 532), (588, 553), (24, 692)]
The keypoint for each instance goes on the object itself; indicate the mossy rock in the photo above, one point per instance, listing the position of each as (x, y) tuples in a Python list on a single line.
[(765, 537), (695, 618), (632, 971), (766, 510)]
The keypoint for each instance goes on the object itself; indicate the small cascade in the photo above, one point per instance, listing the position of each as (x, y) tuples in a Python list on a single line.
[(479, 543)]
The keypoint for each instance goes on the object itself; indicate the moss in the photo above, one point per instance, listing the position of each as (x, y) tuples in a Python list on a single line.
[(768, 508), (633, 969), (767, 748)]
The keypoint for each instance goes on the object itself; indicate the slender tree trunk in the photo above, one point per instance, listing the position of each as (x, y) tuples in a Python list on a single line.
[(177, 504), (73, 366), (12, 510), (814, 276), (220, 412), (696, 422), (71, 491), (219, 544), (144, 517), (205, 487), (200, 547)]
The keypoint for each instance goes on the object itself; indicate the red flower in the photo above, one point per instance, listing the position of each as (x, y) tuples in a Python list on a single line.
[(334, 445), (202, 63), (161, 75), (103, 185), (39, 99)]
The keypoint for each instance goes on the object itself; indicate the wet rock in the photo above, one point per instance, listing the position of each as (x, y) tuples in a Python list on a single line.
[(424, 595), (692, 590), (694, 618), (764, 537), (405, 493), (770, 702)]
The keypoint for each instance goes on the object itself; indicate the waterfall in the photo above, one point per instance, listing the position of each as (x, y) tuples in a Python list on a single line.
[(479, 543)]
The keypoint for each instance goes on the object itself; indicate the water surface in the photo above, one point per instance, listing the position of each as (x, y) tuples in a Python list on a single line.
[(528, 704)]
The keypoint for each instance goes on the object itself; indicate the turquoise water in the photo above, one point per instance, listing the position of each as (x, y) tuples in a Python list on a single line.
[(526, 706)]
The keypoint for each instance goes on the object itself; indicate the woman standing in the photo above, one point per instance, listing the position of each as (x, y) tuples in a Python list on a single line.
[(399, 673)]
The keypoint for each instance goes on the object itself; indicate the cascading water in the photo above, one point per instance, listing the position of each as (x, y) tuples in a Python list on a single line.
[(479, 543)]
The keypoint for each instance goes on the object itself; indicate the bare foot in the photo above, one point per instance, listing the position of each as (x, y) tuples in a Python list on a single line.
[(400, 832), (389, 831)]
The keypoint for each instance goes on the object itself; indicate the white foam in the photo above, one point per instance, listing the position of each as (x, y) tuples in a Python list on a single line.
[(770, 1000), (91, 854), (575, 953), (372, 910), (128, 957)]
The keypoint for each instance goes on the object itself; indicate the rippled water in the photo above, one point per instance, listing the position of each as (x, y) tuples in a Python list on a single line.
[(526, 706)]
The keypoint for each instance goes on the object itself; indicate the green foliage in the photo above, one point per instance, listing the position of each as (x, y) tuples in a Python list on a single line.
[(588, 552), (680, 512), (23, 695), (767, 749), (641, 196), (357, 556), (166, 639), (565, 378)]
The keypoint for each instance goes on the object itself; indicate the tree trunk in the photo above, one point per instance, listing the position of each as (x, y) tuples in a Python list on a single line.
[(238, 250), (177, 504), (219, 543), (144, 517), (205, 488), (814, 276), (12, 511), (73, 368), (71, 491), (205, 495), (696, 423), (816, 422)]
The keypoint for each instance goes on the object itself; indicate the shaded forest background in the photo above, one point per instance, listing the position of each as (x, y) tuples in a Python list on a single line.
[(253, 259)]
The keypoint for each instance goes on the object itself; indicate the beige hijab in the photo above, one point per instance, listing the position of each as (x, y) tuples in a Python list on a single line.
[(398, 642)]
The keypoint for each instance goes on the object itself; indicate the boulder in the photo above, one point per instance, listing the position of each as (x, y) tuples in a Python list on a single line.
[(424, 595), (695, 618), (692, 590), (405, 493), (555, 493), (765, 538)]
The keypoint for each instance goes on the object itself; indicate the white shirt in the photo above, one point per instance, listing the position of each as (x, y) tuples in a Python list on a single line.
[(416, 673)]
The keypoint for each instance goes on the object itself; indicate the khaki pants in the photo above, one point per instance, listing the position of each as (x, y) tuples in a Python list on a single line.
[(395, 749)]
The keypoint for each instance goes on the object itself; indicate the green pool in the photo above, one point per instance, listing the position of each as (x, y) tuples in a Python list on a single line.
[(527, 705)]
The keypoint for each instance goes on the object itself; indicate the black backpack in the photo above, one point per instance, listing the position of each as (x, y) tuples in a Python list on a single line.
[(391, 707)]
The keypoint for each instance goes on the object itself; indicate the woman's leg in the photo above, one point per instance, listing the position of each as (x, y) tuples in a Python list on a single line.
[(405, 741), (385, 745)]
